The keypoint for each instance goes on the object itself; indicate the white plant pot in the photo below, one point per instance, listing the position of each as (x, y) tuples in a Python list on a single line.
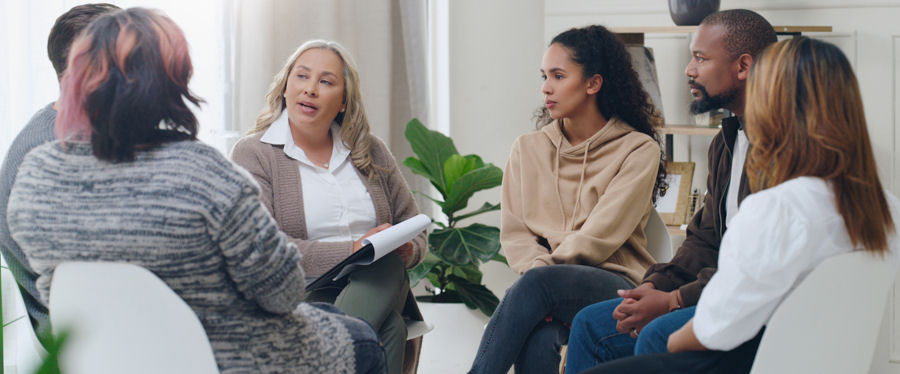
[(450, 348)]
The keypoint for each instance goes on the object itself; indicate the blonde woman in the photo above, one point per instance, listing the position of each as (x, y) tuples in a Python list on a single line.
[(329, 183)]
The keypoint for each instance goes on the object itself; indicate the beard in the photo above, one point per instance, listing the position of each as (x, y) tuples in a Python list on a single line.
[(706, 103)]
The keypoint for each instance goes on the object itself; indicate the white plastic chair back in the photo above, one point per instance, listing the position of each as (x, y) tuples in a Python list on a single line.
[(659, 244), (123, 319), (22, 352), (415, 329), (815, 330)]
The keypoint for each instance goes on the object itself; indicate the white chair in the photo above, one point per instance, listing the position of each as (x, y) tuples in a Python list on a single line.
[(829, 323), (659, 244), (415, 329), (123, 319), (22, 352)]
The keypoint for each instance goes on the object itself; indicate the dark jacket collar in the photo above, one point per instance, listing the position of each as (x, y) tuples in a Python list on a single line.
[(730, 127)]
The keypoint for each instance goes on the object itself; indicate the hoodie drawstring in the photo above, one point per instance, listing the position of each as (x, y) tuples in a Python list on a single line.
[(558, 194), (587, 147), (569, 224)]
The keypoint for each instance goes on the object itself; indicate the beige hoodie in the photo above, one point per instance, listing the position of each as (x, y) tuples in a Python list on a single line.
[(590, 202)]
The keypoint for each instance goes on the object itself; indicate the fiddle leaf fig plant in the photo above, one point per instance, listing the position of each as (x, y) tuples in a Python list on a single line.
[(455, 252)]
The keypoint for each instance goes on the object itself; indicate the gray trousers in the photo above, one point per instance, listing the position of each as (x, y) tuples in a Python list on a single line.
[(376, 294)]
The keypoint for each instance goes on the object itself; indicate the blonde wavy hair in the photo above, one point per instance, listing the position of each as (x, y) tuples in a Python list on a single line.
[(353, 121)]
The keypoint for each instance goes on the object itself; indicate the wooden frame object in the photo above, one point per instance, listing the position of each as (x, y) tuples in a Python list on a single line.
[(673, 206)]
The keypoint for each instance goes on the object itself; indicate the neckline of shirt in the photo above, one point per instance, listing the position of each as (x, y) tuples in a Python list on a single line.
[(279, 133)]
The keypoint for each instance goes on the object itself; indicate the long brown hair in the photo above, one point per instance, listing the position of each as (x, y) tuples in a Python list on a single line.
[(804, 117)]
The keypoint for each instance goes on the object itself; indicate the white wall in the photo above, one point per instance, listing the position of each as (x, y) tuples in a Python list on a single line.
[(495, 55)]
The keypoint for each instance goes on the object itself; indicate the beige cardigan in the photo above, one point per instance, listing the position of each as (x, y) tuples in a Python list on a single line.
[(280, 191), (588, 203)]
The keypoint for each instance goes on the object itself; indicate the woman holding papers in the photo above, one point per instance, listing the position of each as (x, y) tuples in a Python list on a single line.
[(576, 197), (329, 183), (128, 182)]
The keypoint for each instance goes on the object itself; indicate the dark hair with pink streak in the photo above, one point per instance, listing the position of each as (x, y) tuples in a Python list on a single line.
[(126, 85)]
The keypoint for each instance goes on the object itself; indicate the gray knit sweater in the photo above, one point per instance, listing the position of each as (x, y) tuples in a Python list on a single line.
[(195, 220), (38, 131)]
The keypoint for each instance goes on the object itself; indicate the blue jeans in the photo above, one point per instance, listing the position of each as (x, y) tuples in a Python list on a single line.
[(519, 332), (594, 338), (735, 361)]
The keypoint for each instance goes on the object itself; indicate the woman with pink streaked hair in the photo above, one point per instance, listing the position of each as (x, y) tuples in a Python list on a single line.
[(127, 181)]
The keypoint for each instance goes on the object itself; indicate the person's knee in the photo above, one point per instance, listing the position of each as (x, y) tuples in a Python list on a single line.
[(652, 339), (536, 278), (393, 329), (597, 316)]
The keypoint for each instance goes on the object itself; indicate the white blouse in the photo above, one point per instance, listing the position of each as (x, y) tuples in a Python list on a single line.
[(336, 203), (776, 239)]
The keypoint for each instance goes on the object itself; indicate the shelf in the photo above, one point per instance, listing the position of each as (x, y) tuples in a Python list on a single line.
[(690, 130), (686, 29), (676, 231)]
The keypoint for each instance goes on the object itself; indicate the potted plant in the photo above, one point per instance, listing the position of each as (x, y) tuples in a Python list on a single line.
[(455, 252)]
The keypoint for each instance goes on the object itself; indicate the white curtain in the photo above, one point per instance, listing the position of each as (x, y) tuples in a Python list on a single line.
[(236, 48), (30, 81)]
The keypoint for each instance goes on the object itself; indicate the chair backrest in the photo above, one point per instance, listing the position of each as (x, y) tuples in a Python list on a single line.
[(659, 244), (829, 323), (123, 319), (22, 351)]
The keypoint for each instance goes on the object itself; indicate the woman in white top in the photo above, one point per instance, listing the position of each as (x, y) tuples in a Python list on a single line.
[(329, 183), (817, 195)]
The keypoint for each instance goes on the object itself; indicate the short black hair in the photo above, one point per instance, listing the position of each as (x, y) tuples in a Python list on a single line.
[(745, 31), (67, 27)]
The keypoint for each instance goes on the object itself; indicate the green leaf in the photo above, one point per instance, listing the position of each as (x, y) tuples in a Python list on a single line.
[(488, 176), (486, 207), (455, 167), (433, 150), (421, 270), (499, 257), (475, 158), (466, 245), (476, 296), (54, 345), (436, 201), (433, 278), (469, 273), (416, 167)]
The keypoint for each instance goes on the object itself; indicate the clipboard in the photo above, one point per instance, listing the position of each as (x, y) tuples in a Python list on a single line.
[(374, 248)]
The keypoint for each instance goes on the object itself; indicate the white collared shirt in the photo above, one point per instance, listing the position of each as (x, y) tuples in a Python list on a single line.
[(336, 203), (776, 239)]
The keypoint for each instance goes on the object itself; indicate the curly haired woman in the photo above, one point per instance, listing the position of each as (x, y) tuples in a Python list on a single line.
[(576, 198)]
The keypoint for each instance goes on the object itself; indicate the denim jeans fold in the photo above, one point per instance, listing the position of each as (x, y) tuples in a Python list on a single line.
[(531, 323)]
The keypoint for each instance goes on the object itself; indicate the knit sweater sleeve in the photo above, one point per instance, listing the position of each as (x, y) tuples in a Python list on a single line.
[(403, 206), (262, 262), (519, 243), (617, 213)]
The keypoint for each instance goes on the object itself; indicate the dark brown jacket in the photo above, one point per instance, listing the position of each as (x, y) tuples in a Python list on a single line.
[(697, 258)]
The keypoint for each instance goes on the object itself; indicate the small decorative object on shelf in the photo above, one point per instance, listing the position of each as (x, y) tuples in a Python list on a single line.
[(695, 204), (674, 204), (691, 12)]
